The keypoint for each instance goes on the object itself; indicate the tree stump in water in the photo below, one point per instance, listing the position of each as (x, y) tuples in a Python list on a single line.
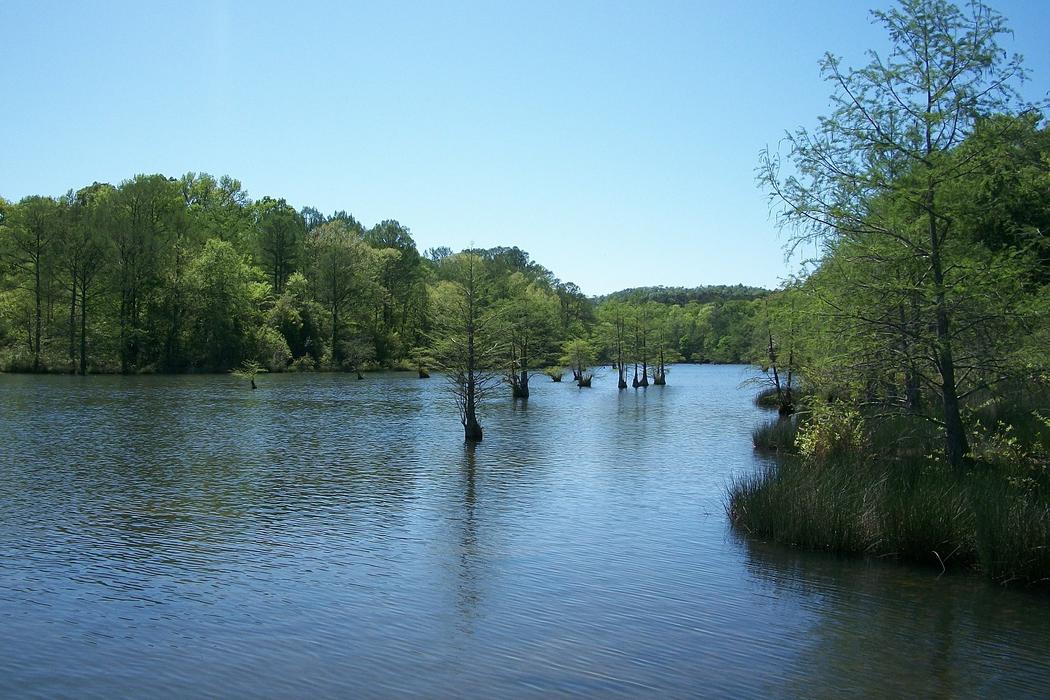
[(660, 379), (423, 374), (585, 382), (472, 430)]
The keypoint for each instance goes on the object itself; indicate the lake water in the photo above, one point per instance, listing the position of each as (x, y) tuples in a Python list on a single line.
[(328, 537)]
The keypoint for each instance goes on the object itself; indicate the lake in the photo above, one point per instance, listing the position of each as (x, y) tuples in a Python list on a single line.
[(328, 537)]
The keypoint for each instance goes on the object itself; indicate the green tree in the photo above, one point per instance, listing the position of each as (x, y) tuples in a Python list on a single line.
[(876, 172), (279, 233), (399, 310), (579, 354), (217, 208), (779, 339), (298, 317), (225, 298), (529, 314), (342, 272), (613, 316), (85, 253), (666, 338), (144, 209), (467, 346), (30, 230)]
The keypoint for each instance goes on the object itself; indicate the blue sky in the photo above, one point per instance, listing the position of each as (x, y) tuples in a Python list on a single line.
[(616, 142)]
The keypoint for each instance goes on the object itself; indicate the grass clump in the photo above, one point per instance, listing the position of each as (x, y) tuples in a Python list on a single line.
[(792, 505), (776, 435), (853, 486)]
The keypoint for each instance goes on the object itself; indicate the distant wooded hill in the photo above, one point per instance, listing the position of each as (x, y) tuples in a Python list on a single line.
[(683, 295)]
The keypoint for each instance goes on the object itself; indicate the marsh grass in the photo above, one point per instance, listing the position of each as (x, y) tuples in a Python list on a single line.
[(777, 434), (895, 502), (1012, 530)]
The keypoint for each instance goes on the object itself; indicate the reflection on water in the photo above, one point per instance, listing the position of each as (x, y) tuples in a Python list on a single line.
[(327, 537), (877, 630)]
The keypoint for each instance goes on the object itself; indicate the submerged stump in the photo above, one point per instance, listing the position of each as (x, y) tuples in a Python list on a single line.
[(472, 430)]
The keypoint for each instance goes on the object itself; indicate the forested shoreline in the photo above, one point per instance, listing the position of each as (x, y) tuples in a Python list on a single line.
[(189, 274)]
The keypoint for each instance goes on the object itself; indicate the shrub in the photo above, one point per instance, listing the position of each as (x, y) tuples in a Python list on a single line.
[(833, 431)]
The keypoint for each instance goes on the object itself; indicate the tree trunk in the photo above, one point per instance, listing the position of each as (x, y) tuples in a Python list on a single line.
[(472, 429), (335, 334), (36, 331), (955, 443), (659, 377), (520, 386), (787, 402), (123, 332), (73, 328), (83, 328), (519, 374)]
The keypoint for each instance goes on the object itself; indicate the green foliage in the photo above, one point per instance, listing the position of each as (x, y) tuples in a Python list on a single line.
[(833, 431), (190, 274), (248, 370), (681, 296), (930, 273), (270, 348), (925, 314), (467, 342), (578, 353), (224, 298), (639, 329), (279, 234)]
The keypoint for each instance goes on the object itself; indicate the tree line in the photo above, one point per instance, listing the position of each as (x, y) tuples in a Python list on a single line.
[(163, 274)]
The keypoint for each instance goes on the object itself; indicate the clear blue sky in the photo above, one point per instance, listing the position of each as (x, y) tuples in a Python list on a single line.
[(616, 142)]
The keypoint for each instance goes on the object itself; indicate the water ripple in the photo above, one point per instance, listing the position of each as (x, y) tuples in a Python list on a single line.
[(324, 536)]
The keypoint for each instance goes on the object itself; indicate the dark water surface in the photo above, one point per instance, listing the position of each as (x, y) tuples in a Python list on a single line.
[(327, 537)]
